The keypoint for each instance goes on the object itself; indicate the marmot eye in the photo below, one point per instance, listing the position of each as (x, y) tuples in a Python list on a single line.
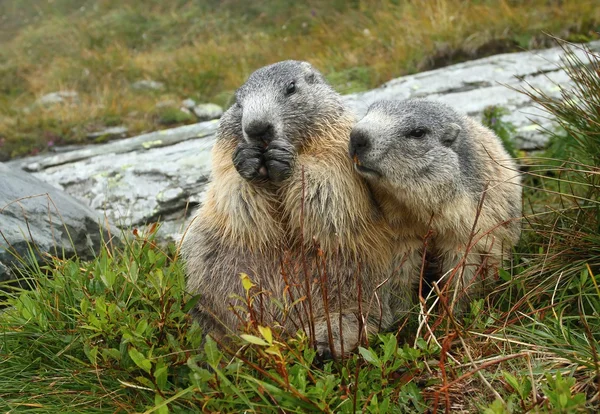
[(417, 133), (290, 88)]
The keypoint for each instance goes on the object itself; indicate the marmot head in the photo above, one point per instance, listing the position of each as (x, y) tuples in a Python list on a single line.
[(414, 146), (288, 100)]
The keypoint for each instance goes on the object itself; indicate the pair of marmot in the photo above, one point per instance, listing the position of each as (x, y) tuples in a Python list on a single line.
[(332, 252)]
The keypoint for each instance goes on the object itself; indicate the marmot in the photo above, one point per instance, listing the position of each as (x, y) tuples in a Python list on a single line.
[(295, 215), (431, 168)]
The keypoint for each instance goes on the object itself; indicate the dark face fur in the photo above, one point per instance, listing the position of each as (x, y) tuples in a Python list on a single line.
[(411, 145), (287, 101)]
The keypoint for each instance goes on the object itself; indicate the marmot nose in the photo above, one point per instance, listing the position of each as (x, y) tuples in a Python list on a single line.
[(359, 142), (259, 130)]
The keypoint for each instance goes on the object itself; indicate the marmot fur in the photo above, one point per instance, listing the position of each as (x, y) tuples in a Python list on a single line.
[(431, 168), (286, 207)]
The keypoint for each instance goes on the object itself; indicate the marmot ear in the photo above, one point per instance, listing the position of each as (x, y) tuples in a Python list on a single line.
[(233, 100), (450, 134), (311, 75), (306, 66)]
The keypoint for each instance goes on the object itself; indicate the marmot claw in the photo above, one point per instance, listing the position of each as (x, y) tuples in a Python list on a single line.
[(279, 159), (248, 160)]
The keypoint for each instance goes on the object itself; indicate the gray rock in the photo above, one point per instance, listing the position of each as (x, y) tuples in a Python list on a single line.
[(162, 175), (208, 111), (186, 110), (65, 148), (38, 220), (188, 103), (155, 176), (112, 132), (472, 86), (58, 98), (140, 143), (5, 272), (148, 85)]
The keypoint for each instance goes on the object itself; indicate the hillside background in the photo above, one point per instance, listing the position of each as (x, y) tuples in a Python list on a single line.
[(204, 50)]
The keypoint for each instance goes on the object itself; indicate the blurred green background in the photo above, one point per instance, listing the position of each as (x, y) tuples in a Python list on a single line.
[(204, 50)]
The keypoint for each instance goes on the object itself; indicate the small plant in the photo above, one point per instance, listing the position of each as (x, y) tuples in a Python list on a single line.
[(172, 116), (114, 335), (521, 386), (351, 80), (492, 118), (116, 328), (560, 397)]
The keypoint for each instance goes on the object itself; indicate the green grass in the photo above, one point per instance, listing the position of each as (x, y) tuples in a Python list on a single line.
[(114, 335), (205, 49)]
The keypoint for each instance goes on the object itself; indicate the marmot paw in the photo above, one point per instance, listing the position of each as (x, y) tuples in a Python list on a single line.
[(248, 160), (279, 159)]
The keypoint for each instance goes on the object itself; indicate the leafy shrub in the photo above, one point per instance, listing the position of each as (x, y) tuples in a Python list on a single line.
[(114, 335), (492, 118), (114, 329), (170, 115)]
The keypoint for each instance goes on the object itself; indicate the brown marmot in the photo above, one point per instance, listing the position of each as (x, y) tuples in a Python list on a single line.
[(286, 207), (431, 168)]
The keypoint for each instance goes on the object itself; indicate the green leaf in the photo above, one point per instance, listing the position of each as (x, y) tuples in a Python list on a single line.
[(140, 360), (266, 333), (112, 310), (191, 303), (160, 373), (160, 274), (422, 344), (108, 277), (578, 400), (369, 356), (198, 375), (384, 406), (158, 400), (91, 328), (254, 340), (497, 407), (512, 381), (246, 282), (526, 388), (213, 355), (374, 404), (504, 275), (91, 353), (563, 400), (141, 327), (389, 346), (151, 257), (145, 382), (133, 272), (84, 306), (26, 307), (100, 306), (113, 353), (583, 277)]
